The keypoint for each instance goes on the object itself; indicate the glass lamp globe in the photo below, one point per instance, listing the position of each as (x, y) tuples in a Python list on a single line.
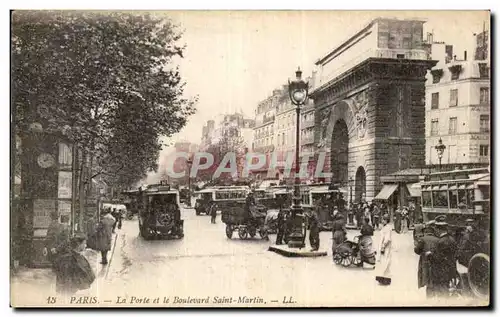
[(299, 96)]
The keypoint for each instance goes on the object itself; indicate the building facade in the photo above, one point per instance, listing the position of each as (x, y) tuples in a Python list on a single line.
[(370, 108), (458, 111), (285, 130), (263, 141)]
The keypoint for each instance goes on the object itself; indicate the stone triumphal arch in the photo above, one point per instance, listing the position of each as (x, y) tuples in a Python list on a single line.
[(371, 122)]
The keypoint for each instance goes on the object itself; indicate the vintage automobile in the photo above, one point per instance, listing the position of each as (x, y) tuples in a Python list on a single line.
[(159, 214)]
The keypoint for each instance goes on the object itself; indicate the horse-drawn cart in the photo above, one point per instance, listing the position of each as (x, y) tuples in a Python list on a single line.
[(245, 222)]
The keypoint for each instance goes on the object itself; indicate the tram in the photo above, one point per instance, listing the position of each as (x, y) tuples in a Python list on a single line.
[(453, 194)]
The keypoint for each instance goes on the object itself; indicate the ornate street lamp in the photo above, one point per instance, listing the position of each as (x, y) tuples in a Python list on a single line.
[(189, 163), (440, 150), (298, 91)]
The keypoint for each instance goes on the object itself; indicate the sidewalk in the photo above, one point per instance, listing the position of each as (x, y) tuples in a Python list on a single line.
[(38, 284)]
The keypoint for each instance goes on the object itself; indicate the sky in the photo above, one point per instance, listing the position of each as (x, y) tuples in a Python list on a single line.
[(234, 59)]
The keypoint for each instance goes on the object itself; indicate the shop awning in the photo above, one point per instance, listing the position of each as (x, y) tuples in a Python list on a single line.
[(386, 191), (414, 189)]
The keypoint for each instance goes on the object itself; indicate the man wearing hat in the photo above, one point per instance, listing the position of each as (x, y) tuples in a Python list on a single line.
[(468, 243), (426, 243), (442, 259)]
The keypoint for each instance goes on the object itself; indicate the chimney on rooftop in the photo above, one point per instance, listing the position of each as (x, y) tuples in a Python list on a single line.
[(465, 55), (430, 38)]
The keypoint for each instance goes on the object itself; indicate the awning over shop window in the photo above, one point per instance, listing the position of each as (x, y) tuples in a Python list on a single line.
[(414, 189), (386, 191)]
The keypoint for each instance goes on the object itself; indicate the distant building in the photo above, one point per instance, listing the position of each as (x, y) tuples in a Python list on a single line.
[(285, 126), (207, 134), (458, 110), (275, 133), (263, 140)]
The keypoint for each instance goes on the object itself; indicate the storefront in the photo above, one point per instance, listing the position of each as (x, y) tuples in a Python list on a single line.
[(401, 189)]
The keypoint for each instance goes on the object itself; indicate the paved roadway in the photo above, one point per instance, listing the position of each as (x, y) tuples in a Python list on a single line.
[(206, 263)]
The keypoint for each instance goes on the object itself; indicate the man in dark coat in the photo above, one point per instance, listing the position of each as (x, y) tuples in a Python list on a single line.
[(443, 259), (398, 219), (425, 243), (281, 226), (359, 215), (117, 214), (57, 237), (73, 271), (104, 235), (213, 213), (376, 216), (314, 229), (418, 230), (249, 203), (341, 204), (350, 214)]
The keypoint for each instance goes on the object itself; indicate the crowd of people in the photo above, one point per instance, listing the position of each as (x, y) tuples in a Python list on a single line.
[(440, 251), (64, 251)]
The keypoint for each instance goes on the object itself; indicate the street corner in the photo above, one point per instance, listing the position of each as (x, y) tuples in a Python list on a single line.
[(286, 251)]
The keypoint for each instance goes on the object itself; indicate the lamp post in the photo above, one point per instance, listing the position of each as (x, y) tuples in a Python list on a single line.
[(351, 181), (189, 163), (350, 213), (440, 150), (298, 91)]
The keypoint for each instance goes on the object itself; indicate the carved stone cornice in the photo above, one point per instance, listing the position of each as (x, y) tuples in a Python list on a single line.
[(369, 70)]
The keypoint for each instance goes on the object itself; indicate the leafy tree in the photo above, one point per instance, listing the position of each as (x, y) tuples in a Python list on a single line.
[(105, 80)]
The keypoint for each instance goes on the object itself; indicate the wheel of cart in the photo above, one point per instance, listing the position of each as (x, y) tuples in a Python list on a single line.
[(243, 232), (345, 254), (263, 233), (337, 258), (229, 231), (342, 258), (252, 231)]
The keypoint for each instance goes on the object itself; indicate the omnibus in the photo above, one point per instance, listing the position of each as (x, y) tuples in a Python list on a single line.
[(454, 194)]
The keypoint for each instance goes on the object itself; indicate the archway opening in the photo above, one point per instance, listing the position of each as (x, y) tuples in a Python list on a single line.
[(340, 153), (360, 185)]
